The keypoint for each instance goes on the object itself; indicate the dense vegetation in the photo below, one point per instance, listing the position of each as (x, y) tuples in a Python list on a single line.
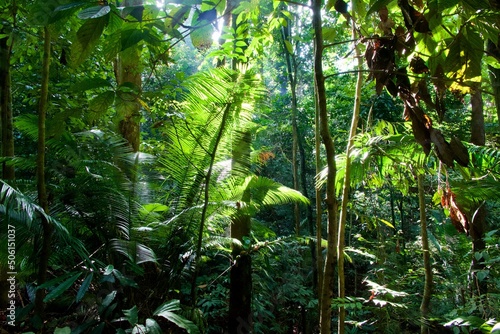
[(250, 166)]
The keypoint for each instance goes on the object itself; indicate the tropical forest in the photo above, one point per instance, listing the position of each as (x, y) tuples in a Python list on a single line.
[(249, 166)]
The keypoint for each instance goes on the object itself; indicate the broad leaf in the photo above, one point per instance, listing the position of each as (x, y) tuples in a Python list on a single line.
[(132, 315), (87, 38), (102, 102), (167, 310), (152, 327), (94, 12), (130, 38), (84, 287), (60, 289), (91, 83)]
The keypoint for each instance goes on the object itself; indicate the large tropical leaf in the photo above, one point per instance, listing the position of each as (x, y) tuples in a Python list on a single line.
[(167, 311)]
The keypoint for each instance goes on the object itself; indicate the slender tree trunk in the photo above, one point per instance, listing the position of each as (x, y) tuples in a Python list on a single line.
[(330, 200), (240, 291), (6, 109), (478, 222), (494, 74), (40, 171), (319, 209), (292, 79), (346, 189), (206, 200), (128, 71), (426, 298)]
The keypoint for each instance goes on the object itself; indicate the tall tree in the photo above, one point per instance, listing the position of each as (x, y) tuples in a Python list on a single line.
[(330, 199), (128, 71), (347, 186), (6, 44), (478, 212), (426, 297), (291, 66), (40, 169)]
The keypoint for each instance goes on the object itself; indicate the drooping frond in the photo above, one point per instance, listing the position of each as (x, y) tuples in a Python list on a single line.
[(263, 192), (375, 156), (201, 134), (20, 211)]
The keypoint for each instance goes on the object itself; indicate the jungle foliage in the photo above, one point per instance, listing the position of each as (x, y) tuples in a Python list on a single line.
[(343, 156)]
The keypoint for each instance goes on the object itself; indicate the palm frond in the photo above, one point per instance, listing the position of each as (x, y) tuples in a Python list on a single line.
[(26, 216)]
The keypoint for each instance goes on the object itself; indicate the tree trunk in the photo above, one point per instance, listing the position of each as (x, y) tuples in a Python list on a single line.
[(6, 109), (494, 74), (206, 201), (240, 291), (40, 172), (478, 222), (319, 209), (346, 188), (330, 199), (292, 79), (128, 71), (426, 298)]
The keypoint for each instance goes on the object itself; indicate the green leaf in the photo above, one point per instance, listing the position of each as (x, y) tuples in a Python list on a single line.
[(94, 12), (132, 315), (60, 289), (64, 330), (71, 5), (289, 47), (152, 327), (154, 207), (444, 4), (84, 287), (202, 37), (108, 270), (91, 83), (166, 311), (107, 301), (176, 16), (329, 34), (87, 38), (492, 61), (482, 274), (386, 222), (377, 5), (131, 37), (102, 102)]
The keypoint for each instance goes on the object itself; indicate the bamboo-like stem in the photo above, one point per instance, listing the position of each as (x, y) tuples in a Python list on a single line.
[(346, 189), (40, 172), (426, 298)]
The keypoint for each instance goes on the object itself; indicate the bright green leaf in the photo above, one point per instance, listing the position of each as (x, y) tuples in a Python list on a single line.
[(94, 12), (87, 38), (386, 222), (289, 47)]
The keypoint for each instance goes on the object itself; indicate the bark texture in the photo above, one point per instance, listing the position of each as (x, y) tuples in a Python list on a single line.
[(40, 173), (6, 109), (426, 298), (346, 189), (330, 200)]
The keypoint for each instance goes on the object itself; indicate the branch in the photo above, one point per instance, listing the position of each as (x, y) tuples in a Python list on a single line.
[(339, 43), (296, 3)]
